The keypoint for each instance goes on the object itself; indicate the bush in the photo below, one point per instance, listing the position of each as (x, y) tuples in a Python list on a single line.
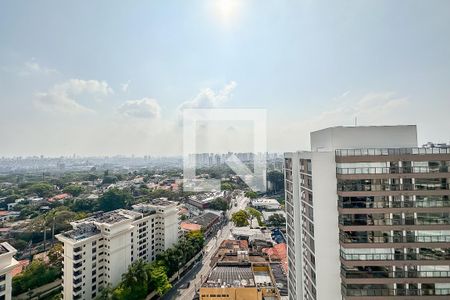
[(35, 275)]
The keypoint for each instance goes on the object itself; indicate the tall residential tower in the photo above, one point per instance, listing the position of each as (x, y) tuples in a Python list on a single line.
[(100, 248), (368, 216)]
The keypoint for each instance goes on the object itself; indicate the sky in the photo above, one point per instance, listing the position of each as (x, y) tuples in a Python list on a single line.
[(113, 77)]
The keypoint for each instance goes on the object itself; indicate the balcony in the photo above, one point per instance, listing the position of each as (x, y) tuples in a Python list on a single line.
[(371, 292), (370, 273), (425, 255), (76, 273), (346, 238), (391, 151), (77, 257), (390, 170), (353, 187), (77, 265), (348, 220), (365, 204)]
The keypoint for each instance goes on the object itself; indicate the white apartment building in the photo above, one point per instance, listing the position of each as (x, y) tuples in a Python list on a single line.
[(100, 248), (368, 216), (7, 264)]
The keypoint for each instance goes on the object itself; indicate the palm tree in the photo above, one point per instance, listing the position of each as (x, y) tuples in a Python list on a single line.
[(136, 275)]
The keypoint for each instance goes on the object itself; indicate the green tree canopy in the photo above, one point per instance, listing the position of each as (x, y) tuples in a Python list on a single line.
[(42, 189), (115, 199), (251, 194), (218, 204), (240, 218), (73, 189), (277, 220)]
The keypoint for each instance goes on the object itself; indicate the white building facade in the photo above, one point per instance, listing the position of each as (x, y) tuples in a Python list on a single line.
[(100, 248), (7, 264), (368, 216)]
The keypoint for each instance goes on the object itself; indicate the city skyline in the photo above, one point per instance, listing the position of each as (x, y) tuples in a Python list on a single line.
[(71, 84)]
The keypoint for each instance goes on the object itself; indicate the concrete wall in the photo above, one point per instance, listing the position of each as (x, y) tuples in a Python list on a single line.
[(326, 230), (333, 138)]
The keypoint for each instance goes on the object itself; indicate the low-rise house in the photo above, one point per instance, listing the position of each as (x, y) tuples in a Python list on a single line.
[(266, 204)]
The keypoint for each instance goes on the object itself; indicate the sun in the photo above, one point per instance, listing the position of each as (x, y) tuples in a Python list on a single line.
[(227, 9)]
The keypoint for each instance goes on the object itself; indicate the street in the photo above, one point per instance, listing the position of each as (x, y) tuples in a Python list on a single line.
[(199, 272)]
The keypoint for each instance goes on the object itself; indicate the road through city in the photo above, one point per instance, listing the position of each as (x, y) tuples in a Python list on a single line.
[(198, 273)]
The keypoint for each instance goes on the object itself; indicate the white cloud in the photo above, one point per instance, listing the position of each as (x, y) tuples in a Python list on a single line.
[(28, 68), (33, 66), (63, 97), (380, 108), (124, 86), (143, 108), (207, 98)]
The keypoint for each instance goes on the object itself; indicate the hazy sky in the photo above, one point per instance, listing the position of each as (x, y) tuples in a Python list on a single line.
[(110, 77)]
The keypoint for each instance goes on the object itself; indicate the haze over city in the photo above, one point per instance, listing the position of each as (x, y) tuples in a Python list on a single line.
[(109, 77)]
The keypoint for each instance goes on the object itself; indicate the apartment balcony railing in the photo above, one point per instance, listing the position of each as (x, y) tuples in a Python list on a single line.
[(394, 204), (395, 239), (391, 151), (77, 257), (395, 222), (374, 292), (395, 256), (390, 170), (396, 274), (348, 187)]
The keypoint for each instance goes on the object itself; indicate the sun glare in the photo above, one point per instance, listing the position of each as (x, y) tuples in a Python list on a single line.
[(227, 9)]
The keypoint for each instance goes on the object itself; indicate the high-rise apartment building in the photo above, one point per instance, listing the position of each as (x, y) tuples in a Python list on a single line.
[(7, 264), (368, 216), (100, 248)]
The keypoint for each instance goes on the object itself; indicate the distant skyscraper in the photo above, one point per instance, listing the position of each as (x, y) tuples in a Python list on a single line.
[(368, 216)]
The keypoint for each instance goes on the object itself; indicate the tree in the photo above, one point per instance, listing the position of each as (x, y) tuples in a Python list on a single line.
[(36, 274), (42, 189), (73, 189), (159, 281), (134, 282), (106, 293), (253, 213), (227, 186), (83, 205), (109, 179), (115, 199), (218, 204), (277, 220), (136, 274), (251, 194), (55, 255), (277, 180), (92, 177), (240, 218)]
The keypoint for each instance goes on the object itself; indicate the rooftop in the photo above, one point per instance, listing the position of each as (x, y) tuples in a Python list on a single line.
[(231, 276), (109, 217), (3, 249), (162, 202), (82, 231), (205, 220)]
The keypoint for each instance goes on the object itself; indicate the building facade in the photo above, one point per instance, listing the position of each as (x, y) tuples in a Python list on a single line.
[(100, 248), (7, 264), (368, 216)]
